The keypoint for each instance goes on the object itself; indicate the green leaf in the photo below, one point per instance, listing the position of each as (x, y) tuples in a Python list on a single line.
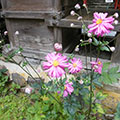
[(24, 64), (71, 110), (105, 78), (105, 66), (98, 83), (3, 70), (104, 48), (113, 70), (95, 41), (117, 114), (99, 108)]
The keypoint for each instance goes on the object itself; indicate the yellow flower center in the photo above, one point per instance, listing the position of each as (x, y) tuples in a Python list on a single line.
[(74, 65), (99, 21), (55, 63), (99, 63), (65, 88)]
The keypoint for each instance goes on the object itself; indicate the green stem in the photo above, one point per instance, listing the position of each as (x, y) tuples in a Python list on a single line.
[(91, 93), (32, 69), (36, 81), (54, 98), (98, 54), (23, 69)]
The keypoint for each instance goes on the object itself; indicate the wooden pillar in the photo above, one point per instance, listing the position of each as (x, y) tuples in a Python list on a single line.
[(116, 54)]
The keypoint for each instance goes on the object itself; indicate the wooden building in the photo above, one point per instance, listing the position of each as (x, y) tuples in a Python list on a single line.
[(41, 23)]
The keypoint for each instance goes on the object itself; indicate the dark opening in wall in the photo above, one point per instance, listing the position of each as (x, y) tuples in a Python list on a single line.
[(3, 31)]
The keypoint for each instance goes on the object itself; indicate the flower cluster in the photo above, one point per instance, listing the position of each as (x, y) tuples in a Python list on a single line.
[(56, 64)]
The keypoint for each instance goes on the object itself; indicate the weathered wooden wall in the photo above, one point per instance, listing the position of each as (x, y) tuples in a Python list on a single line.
[(36, 21)]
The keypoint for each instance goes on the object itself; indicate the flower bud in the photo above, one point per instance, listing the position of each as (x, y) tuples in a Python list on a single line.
[(77, 48), (89, 34), (58, 92), (28, 90), (112, 49), (58, 47), (116, 22), (84, 5), (72, 13), (116, 15), (72, 24), (81, 82), (6, 32), (90, 40), (77, 7), (17, 33), (79, 18), (81, 40)]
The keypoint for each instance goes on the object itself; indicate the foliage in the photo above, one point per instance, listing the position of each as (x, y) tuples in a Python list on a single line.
[(13, 107), (21, 107), (117, 114), (14, 88), (77, 105), (109, 75), (3, 80)]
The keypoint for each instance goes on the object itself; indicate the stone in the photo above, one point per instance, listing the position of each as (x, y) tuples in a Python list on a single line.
[(112, 99), (18, 79), (18, 59), (5, 73), (35, 80)]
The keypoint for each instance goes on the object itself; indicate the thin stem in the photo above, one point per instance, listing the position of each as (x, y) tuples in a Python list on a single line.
[(30, 65), (85, 53), (90, 53), (41, 83), (91, 93), (53, 97), (36, 81), (98, 54), (23, 69)]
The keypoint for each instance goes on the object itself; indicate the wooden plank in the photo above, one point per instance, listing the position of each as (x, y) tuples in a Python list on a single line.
[(32, 14), (66, 22), (33, 5)]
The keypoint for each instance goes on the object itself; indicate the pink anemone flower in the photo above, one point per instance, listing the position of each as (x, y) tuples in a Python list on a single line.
[(68, 89), (75, 66), (101, 24), (55, 64), (97, 66)]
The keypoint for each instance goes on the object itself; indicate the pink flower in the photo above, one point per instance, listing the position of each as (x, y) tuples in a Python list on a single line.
[(68, 89), (75, 66), (97, 66), (58, 47), (55, 64), (101, 24)]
